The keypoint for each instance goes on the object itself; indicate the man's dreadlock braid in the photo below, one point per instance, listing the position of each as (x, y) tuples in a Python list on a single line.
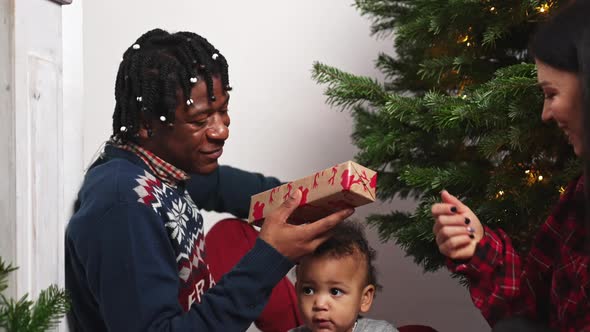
[(220, 60), (120, 114), (203, 64), (170, 83), (224, 74), (211, 55), (149, 88)]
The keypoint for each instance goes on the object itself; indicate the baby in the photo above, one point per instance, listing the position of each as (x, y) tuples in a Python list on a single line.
[(337, 283)]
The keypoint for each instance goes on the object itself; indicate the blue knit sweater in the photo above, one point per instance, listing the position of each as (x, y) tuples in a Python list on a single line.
[(135, 256)]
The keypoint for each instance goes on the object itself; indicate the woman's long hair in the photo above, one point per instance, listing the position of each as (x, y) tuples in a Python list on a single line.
[(563, 43)]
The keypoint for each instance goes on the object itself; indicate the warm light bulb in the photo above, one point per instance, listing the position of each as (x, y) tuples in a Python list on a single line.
[(464, 96), (540, 177), (527, 171), (544, 8), (492, 9)]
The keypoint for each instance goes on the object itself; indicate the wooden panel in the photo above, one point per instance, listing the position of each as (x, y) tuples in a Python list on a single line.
[(7, 147), (46, 180)]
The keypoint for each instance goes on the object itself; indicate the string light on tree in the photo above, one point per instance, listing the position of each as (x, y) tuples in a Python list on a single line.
[(533, 176), (465, 39), (544, 8)]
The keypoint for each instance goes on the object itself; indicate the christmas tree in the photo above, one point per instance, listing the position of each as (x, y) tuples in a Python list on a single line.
[(460, 110), (24, 315)]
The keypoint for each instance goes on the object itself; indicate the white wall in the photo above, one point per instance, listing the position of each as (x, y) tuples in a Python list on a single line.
[(280, 123), (73, 97)]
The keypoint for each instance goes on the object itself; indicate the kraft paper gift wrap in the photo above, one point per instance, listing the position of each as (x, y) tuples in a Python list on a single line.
[(345, 185)]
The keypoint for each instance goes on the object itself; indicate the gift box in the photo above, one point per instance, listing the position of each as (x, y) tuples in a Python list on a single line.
[(342, 186)]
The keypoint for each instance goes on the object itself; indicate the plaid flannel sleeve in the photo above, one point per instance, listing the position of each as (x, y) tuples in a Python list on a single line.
[(499, 284)]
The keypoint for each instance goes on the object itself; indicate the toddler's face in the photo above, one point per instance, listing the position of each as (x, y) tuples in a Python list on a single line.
[(332, 291)]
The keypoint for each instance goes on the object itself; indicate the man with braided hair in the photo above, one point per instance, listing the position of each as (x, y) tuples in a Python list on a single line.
[(135, 255)]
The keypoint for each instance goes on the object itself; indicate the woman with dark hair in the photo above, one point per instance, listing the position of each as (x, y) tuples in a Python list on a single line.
[(548, 289)]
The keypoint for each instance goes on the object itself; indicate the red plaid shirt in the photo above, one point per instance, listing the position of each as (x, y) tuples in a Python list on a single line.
[(550, 285), (165, 171)]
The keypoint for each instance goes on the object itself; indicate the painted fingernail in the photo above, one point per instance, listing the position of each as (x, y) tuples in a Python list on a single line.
[(470, 229), (471, 236), (454, 209), (467, 221)]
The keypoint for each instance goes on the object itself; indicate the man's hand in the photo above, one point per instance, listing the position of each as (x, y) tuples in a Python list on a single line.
[(296, 241)]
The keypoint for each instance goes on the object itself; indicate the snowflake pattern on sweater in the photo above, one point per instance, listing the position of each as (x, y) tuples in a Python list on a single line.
[(184, 225)]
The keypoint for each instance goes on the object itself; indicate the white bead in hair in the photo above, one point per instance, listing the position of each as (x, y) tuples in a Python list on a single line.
[(123, 129), (136, 46), (162, 118), (139, 99), (189, 101), (194, 80), (214, 56)]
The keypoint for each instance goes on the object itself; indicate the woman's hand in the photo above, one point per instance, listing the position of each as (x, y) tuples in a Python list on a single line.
[(456, 228)]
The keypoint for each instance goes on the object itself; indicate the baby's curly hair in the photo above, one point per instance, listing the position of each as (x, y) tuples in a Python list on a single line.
[(348, 238)]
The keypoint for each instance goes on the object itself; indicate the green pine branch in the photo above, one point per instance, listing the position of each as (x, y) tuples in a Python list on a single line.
[(5, 270), (346, 90), (29, 316)]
